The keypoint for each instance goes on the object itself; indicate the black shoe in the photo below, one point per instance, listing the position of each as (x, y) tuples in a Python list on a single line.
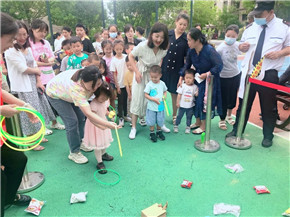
[(107, 157), (266, 143), (230, 134), (101, 167), (160, 135), (22, 200), (153, 137)]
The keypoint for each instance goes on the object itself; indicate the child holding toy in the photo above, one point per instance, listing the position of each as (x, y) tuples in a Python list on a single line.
[(155, 91), (185, 100), (98, 137)]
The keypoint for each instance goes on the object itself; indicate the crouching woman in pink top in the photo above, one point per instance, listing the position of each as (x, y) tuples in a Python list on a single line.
[(68, 93)]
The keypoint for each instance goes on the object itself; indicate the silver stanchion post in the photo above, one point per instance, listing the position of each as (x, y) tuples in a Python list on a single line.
[(208, 145), (237, 141), (30, 180)]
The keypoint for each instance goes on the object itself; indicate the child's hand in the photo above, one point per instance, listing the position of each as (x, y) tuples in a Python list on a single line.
[(156, 100), (130, 97), (177, 105), (196, 93)]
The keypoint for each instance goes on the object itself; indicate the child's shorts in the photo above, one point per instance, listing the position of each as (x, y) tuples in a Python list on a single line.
[(153, 117)]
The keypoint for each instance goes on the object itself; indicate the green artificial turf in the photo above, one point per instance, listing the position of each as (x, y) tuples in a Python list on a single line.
[(153, 172)]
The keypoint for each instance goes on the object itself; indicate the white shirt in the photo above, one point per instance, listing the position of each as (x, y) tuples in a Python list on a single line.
[(119, 65), (146, 56), (57, 43), (229, 55), (187, 95), (277, 37), (16, 66), (98, 47)]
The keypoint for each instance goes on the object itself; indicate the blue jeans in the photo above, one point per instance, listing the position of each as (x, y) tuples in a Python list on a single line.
[(74, 121), (189, 114)]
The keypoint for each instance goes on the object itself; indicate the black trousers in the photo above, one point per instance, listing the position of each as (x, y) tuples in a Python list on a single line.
[(14, 163), (268, 103), (122, 103), (229, 90)]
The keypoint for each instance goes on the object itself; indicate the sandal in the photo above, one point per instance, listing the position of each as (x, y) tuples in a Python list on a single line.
[(198, 131), (174, 119), (44, 140), (222, 125), (39, 148), (48, 132), (230, 120), (57, 126), (194, 126), (21, 200)]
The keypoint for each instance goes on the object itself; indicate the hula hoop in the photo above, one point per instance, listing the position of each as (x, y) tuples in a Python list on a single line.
[(111, 108), (108, 183), (33, 140)]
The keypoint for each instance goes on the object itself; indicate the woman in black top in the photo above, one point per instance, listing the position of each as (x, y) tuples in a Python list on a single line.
[(174, 60)]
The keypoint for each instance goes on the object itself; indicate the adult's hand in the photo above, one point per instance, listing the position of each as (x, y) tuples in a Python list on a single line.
[(273, 55), (138, 77), (8, 110), (244, 47)]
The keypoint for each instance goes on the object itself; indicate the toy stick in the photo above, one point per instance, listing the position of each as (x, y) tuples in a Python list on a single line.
[(119, 143), (166, 107), (202, 137)]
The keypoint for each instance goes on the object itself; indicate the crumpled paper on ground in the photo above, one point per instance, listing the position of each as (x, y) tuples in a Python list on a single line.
[(79, 197), (222, 208), (234, 168)]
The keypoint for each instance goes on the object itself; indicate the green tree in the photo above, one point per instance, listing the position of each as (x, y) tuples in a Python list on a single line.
[(227, 17), (204, 12), (27, 10), (69, 13)]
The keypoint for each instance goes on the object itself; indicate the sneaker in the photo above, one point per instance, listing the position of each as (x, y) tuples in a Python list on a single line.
[(187, 130), (142, 122), (165, 129), (153, 137), (85, 148), (101, 167), (57, 126), (78, 158), (132, 134), (160, 135), (121, 122), (107, 157), (175, 129), (127, 119)]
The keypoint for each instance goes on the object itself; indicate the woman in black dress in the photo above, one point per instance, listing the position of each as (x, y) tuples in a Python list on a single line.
[(174, 60)]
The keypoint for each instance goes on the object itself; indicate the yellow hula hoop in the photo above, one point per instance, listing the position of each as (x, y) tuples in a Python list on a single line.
[(29, 139)]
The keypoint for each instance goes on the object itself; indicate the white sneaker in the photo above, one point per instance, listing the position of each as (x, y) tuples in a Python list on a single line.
[(57, 126), (165, 129), (132, 134), (142, 122), (121, 122), (187, 130), (86, 148), (78, 158), (127, 119), (175, 129)]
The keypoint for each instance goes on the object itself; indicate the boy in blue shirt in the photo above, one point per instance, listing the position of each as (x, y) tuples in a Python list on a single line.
[(155, 92)]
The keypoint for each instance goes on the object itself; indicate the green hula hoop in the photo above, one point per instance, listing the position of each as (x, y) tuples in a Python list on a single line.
[(108, 183)]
